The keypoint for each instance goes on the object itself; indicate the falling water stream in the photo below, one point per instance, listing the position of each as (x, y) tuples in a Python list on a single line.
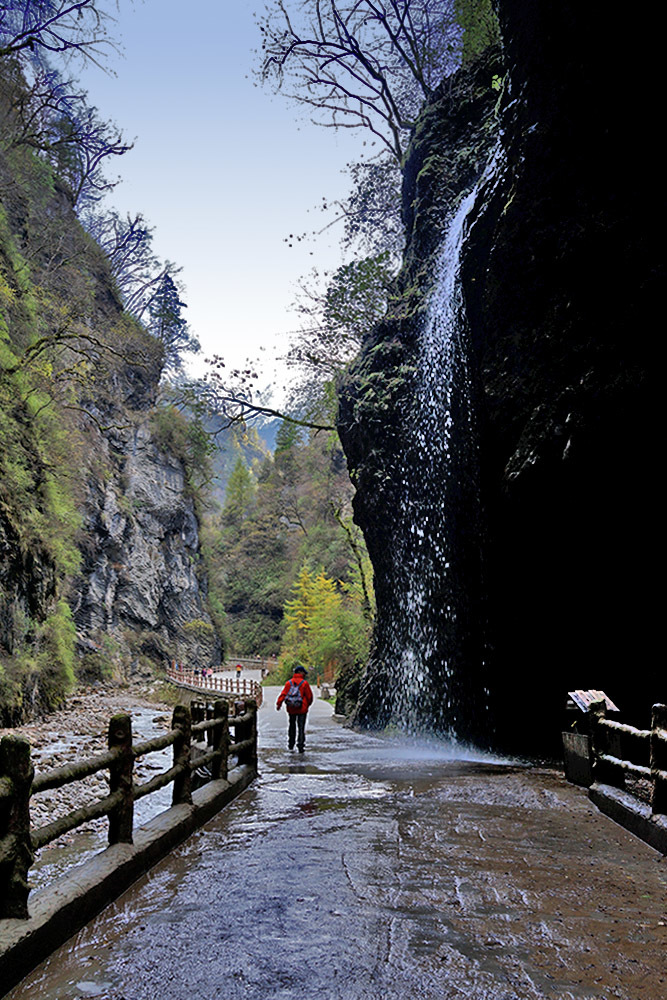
[(430, 646)]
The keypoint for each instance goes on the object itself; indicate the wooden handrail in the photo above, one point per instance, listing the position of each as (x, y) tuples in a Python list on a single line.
[(44, 835), (208, 724), (58, 777), (18, 841), (615, 744), (623, 727), (157, 743), (159, 781), (244, 687), (626, 765)]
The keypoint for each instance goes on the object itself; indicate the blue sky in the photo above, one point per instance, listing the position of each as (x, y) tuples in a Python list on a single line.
[(223, 169)]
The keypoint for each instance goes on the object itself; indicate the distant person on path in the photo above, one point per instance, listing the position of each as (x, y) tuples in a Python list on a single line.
[(239, 668), (298, 698)]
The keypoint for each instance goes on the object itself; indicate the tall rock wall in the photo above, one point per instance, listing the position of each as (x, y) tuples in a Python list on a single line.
[(560, 279), (562, 274), (100, 562), (141, 596), (422, 523)]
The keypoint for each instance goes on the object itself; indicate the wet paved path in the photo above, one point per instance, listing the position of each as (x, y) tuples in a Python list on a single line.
[(363, 869)]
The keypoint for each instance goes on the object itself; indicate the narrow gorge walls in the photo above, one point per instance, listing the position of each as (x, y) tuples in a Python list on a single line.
[(561, 278), (141, 596), (100, 563)]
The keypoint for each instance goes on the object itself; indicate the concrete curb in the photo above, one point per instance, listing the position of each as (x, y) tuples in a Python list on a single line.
[(629, 812), (60, 910)]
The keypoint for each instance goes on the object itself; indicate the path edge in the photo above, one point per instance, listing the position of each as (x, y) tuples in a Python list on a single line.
[(632, 814)]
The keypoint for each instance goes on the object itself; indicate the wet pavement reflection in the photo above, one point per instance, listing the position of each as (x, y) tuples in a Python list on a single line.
[(371, 868)]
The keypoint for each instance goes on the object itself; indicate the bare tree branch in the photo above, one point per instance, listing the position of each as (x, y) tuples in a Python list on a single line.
[(361, 63), (232, 400), (31, 27)]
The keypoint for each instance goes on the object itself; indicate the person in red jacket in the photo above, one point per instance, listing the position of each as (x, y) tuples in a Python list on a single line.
[(298, 698)]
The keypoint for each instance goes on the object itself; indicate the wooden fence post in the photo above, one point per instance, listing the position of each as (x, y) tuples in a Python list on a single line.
[(604, 772), (659, 759), (121, 818), (182, 720), (253, 734), (16, 854), (219, 767), (249, 756)]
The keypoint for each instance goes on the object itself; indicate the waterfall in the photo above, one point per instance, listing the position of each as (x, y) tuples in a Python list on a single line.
[(429, 679)]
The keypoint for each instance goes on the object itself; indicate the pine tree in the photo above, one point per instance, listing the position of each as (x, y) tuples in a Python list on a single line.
[(169, 326), (240, 494)]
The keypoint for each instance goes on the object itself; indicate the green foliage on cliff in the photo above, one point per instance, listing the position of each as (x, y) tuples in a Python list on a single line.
[(73, 366), (55, 660), (276, 523), (480, 27), (38, 511)]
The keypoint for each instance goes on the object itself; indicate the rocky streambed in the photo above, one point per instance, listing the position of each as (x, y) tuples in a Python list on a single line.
[(79, 731)]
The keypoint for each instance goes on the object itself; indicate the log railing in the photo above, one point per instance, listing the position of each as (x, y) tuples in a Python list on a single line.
[(619, 750), (239, 686), (18, 841)]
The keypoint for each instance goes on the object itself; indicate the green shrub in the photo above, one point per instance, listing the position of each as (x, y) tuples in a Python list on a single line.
[(56, 640)]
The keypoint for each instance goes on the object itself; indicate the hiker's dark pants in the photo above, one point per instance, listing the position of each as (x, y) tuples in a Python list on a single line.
[(297, 722)]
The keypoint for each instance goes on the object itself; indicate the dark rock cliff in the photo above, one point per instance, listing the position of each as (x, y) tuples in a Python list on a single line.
[(399, 488), (560, 282), (562, 275)]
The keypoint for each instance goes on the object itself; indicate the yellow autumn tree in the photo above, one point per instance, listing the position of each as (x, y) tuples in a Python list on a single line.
[(326, 627)]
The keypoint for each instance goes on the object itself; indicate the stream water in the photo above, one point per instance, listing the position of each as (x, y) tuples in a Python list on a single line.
[(377, 869)]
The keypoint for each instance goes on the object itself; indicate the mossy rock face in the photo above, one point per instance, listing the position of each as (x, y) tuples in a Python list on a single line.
[(448, 152), (450, 148), (96, 513)]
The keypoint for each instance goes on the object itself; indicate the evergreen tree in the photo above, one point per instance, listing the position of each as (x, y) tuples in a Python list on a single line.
[(240, 495), (168, 324)]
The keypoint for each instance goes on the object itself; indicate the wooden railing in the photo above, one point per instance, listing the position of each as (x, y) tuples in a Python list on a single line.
[(238, 686), (620, 751), (251, 662), (18, 841)]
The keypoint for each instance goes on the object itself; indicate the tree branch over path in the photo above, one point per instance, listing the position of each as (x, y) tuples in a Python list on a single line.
[(232, 400)]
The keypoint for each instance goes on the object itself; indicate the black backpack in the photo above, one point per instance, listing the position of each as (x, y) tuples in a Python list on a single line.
[(294, 698)]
